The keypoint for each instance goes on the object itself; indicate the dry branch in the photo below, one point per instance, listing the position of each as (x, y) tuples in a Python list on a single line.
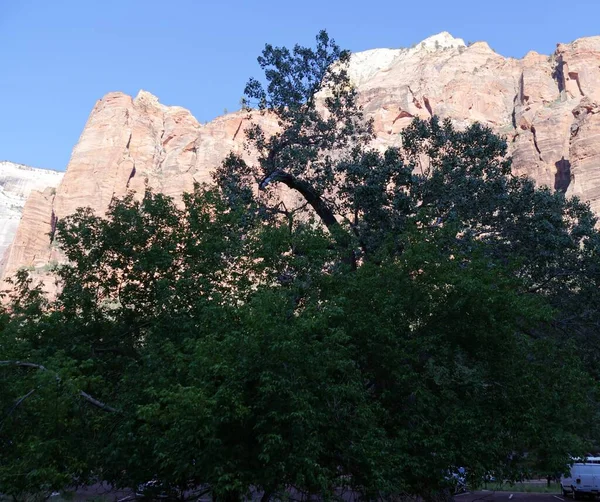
[(84, 395)]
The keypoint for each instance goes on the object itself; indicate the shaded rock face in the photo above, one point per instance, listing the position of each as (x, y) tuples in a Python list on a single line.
[(546, 106), (17, 182)]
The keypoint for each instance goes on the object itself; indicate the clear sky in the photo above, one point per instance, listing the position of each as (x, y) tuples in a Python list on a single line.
[(59, 56)]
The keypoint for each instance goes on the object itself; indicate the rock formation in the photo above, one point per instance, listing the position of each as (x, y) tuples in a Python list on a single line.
[(546, 106), (127, 144), (16, 184)]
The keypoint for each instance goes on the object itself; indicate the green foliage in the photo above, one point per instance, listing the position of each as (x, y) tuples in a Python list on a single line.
[(309, 93), (423, 310)]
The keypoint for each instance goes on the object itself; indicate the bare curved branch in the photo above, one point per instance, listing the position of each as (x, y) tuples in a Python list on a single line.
[(84, 395), (307, 191), (16, 405)]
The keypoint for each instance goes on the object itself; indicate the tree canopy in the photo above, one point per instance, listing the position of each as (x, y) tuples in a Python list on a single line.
[(420, 310)]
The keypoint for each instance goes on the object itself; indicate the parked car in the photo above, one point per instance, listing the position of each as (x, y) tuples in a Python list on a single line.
[(583, 479)]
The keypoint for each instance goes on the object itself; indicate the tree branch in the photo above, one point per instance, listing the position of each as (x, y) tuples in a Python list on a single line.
[(84, 395), (321, 207), (16, 405), (307, 191), (98, 404), (536, 288)]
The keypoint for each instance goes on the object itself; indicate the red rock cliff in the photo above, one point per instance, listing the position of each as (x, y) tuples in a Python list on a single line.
[(547, 106)]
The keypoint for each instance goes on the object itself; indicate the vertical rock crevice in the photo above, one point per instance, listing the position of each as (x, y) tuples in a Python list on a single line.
[(238, 129), (131, 175), (161, 152), (535, 142), (125, 157), (193, 147), (558, 74), (562, 177), (523, 98), (53, 223), (428, 105)]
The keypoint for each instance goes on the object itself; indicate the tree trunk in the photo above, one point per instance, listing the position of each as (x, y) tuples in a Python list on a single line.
[(227, 497), (307, 191), (314, 199)]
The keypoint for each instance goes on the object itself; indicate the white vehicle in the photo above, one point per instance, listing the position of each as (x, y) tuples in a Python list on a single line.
[(584, 478)]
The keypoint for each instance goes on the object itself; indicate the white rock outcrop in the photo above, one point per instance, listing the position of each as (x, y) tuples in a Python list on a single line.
[(17, 181)]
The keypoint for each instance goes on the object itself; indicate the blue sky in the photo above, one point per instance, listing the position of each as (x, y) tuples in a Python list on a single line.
[(59, 56)]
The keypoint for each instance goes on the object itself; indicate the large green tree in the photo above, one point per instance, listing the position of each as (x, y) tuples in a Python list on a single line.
[(420, 310)]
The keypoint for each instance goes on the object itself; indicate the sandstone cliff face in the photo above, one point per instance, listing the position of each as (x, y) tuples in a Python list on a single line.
[(128, 144), (546, 106), (16, 184)]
